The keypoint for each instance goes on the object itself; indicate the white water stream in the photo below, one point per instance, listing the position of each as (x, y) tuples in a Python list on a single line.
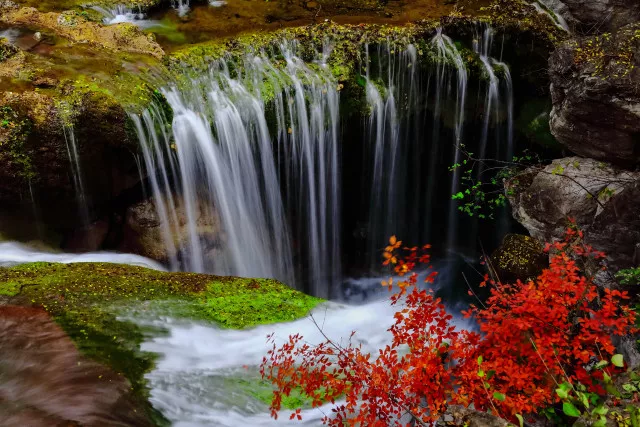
[(13, 253)]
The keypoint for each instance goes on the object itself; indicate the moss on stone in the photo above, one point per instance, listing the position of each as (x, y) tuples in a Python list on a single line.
[(14, 133), (519, 258)]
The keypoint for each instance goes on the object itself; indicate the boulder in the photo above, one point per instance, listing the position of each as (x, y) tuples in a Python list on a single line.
[(519, 257), (45, 381), (144, 231), (596, 96), (603, 200)]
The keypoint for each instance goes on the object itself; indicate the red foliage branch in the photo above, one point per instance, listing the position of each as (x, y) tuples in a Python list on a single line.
[(533, 336)]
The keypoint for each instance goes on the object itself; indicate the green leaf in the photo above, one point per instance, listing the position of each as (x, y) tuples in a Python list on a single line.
[(618, 360), (601, 364), (480, 360), (600, 410), (499, 396), (584, 398), (630, 388), (562, 394), (481, 373), (570, 410), (601, 422), (520, 420)]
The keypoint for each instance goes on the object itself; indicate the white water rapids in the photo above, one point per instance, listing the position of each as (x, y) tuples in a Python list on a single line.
[(191, 382)]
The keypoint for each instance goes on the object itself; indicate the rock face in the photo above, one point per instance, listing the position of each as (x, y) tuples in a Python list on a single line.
[(519, 258), (601, 15), (144, 235), (66, 388), (596, 96), (34, 153), (603, 200)]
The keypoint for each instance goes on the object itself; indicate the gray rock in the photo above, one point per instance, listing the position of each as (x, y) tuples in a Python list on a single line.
[(596, 99), (457, 415), (595, 16), (143, 233), (604, 201), (602, 15)]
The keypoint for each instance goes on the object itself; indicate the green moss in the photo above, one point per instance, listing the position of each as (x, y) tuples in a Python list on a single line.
[(519, 258), (7, 50), (85, 299), (14, 133), (242, 303), (262, 390), (60, 5)]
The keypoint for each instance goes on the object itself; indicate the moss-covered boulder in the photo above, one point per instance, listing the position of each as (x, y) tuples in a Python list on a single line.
[(519, 258), (77, 29), (89, 301)]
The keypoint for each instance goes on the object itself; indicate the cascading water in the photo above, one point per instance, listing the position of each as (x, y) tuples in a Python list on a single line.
[(224, 160), (416, 129), (181, 6), (548, 7), (498, 100), (256, 145), (122, 13), (76, 172)]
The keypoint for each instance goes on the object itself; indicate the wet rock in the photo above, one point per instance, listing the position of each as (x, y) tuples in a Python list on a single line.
[(144, 235), (89, 238), (44, 381), (124, 37), (519, 257), (603, 200), (596, 97), (35, 158)]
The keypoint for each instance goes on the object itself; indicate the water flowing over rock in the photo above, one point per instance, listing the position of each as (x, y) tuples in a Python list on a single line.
[(596, 98), (44, 380), (264, 148), (603, 201)]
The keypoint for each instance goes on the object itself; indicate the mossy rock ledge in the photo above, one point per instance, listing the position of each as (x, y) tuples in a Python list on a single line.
[(92, 302)]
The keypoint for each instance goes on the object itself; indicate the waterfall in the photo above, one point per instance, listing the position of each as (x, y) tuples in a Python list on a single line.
[(408, 155), (181, 6), (121, 13), (76, 173), (447, 51), (257, 144), (482, 45), (223, 156), (548, 7)]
